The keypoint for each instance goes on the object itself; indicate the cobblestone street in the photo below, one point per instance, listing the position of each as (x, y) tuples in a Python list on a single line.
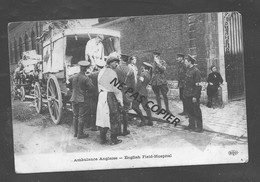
[(35, 133), (230, 120)]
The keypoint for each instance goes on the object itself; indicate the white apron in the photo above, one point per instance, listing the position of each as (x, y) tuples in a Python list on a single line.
[(102, 116)]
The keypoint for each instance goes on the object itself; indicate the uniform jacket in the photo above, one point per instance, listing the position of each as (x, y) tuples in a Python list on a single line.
[(122, 71), (190, 87), (159, 70), (94, 78), (141, 85), (81, 85), (181, 74)]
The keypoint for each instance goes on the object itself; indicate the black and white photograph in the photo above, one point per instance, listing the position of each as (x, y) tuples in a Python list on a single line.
[(128, 92)]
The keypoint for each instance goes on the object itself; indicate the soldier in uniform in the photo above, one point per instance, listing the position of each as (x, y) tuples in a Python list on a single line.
[(191, 93), (181, 79), (81, 85), (94, 93), (159, 82), (142, 82), (125, 74)]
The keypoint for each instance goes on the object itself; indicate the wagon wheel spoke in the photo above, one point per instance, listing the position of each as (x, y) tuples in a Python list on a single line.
[(50, 91), (56, 107), (53, 110), (51, 88), (54, 89)]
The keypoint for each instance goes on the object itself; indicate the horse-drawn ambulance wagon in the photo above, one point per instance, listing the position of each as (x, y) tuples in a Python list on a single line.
[(61, 53)]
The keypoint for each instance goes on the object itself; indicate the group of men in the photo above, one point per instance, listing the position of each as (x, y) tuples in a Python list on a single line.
[(99, 102)]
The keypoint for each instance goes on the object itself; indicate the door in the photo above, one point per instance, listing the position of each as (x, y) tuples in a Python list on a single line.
[(234, 57)]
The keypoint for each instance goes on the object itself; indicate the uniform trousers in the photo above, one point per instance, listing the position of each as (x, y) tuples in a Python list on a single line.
[(93, 110), (138, 111), (194, 113), (164, 90), (81, 113), (182, 98)]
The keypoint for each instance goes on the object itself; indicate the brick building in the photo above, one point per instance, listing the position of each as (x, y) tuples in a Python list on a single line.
[(213, 38), (22, 37)]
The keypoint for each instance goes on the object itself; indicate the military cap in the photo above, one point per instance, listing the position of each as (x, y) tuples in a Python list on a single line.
[(100, 63), (84, 63), (113, 57), (125, 57), (131, 58), (191, 59), (100, 36), (156, 52), (180, 55), (147, 64)]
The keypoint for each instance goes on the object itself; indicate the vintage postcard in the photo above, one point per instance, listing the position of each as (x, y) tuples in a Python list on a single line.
[(128, 92)]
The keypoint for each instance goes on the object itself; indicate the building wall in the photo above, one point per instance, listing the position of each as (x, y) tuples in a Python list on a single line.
[(166, 33), (195, 34), (22, 37)]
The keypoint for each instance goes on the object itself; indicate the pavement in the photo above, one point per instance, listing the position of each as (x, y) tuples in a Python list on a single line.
[(230, 120)]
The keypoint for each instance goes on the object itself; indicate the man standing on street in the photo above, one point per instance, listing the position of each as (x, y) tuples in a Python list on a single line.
[(191, 93), (81, 85), (181, 80), (125, 75), (142, 82), (159, 82)]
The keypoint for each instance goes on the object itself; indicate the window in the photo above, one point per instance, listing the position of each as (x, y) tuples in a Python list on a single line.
[(16, 53), (33, 39), (20, 48), (26, 42)]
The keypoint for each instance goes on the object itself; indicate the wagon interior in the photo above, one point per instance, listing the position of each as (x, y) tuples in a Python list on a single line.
[(76, 44)]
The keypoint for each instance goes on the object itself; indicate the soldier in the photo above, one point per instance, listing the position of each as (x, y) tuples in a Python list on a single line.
[(125, 75), (94, 94), (110, 101), (142, 83), (191, 93), (81, 85), (181, 79), (159, 82)]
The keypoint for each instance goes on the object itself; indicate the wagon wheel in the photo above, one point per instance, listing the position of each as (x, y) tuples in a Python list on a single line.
[(54, 99), (22, 93), (38, 97)]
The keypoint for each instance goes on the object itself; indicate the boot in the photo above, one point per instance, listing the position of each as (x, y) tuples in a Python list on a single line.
[(150, 123), (114, 140), (75, 126), (103, 135), (125, 122), (166, 102), (142, 123), (80, 131), (158, 100)]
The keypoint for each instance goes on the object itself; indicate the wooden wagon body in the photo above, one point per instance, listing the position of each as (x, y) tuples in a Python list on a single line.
[(60, 56)]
